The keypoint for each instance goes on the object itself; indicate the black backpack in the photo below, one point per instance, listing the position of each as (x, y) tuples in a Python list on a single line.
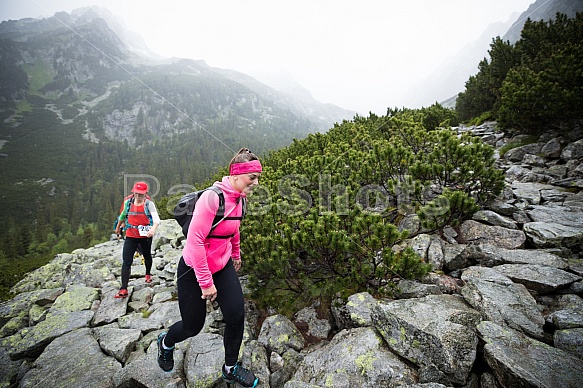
[(185, 208)]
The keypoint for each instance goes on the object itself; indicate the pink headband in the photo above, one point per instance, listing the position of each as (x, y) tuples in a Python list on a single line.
[(245, 168)]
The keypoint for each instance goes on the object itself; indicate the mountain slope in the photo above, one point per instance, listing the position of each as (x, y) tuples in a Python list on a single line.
[(80, 107), (449, 79), (542, 10)]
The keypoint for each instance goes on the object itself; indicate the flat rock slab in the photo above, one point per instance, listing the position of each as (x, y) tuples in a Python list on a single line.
[(520, 361)]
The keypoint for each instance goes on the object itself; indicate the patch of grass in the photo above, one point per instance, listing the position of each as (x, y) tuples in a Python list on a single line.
[(39, 74), (23, 106), (481, 119), (515, 144)]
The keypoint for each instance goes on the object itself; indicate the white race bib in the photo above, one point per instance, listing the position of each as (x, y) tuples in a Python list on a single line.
[(143, 229)]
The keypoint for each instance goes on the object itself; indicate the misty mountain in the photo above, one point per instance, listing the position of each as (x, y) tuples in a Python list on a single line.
[(83, 101), (542, 10), (449, 78)]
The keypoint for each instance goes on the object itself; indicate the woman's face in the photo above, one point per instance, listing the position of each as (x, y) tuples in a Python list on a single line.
[(246, 182), (139, 197)]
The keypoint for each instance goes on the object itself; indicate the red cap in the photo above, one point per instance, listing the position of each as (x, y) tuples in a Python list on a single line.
[(140, 188)]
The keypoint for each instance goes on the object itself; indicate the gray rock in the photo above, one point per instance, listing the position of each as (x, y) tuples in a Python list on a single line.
[(506, 304), (567, 318), (502, 207), (488, 380), (446, 284), (521, 174), (486, 274), (142, 368), (166, 314), (317, 327), (558, 172), (359, 308), (54, 326), (530, 192), (111, 309), (570, 340), (473, 232), (533, 160), (300, 384), (204, 360), (72, 360), (410, 289), (284, 373), (36, 314), (9, 368), (497, 256), (492, 218), (456, 256), (118, 343), (520, 361), (23, 302), (75, 298), (139, 321), (279, 334), (420, 244), (254, 357), (539, 278), (573, 151), (435, 330), (552, 149), (553, 235), (354, 358), (517, 154), (435, 254), (564, 215), (354, 313)]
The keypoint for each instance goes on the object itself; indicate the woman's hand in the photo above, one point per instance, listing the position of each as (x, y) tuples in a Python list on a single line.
[(237, 264), (209, 293), (152, 230)]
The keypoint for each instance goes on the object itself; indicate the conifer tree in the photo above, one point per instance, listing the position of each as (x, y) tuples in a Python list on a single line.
[(325, 219), (534, 84)]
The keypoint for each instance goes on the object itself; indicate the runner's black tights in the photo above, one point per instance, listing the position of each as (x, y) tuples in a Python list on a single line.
[(129, 248), (193, 308)]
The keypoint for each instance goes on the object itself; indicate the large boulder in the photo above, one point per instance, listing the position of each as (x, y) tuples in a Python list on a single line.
[(520, 361), (435, 332)]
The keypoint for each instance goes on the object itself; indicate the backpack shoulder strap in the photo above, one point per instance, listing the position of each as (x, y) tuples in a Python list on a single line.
[(244, 207), (126, 208), (221, 209), (147, 211)]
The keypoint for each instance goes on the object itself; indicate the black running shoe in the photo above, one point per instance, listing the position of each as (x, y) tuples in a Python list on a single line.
[(240, 375), (165, 356)]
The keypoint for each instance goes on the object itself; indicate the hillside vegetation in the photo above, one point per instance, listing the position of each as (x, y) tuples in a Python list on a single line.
[(331, 206), (77, 119), (534, 84), (330, 210)]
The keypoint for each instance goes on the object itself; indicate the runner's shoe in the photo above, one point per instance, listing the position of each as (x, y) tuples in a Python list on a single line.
[(148, 278), (165, 356), (240, 375)]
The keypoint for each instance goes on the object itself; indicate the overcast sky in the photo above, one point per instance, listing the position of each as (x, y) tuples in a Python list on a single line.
[(358, 54)]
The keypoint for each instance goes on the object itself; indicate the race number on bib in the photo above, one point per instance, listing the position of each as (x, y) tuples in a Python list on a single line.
[(143, 229)]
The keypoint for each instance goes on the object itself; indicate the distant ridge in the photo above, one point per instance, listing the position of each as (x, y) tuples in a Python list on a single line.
[(542, 10), (449, 79)]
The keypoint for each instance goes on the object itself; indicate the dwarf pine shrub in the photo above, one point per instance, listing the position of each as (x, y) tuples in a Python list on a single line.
[(324, 221)]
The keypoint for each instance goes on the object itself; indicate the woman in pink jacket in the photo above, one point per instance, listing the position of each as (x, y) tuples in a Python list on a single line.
[(208, 270)]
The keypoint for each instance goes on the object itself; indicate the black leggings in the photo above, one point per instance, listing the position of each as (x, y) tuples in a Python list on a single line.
[(193, 308), (130, 246)]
